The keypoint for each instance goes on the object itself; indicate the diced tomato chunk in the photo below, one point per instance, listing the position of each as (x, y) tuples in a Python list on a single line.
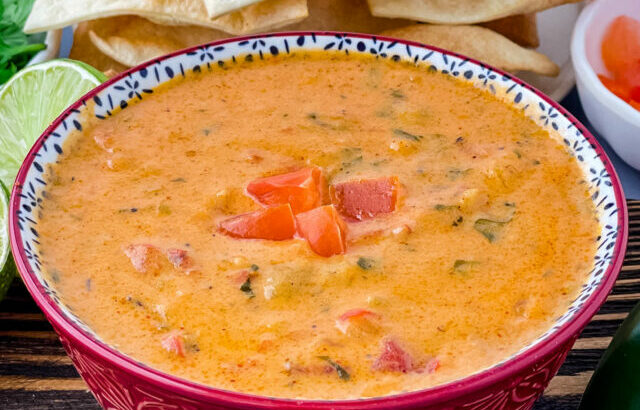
[(621, 46), (144, 257), (240, 277), (180, 259), (174, 343), (358, 313), (393, 359), (615, 87), (432, 365), (302, 189), (275, 223), (323, 229), (365, 198)]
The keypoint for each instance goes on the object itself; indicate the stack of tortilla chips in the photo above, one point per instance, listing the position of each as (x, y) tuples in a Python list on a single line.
[(115, 34)]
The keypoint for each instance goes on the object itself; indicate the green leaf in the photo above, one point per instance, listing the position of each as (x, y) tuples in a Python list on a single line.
[(246, 289), (489, 229), (16, 47), (407, 135), (366, 263), (463, 267), (342, 373)]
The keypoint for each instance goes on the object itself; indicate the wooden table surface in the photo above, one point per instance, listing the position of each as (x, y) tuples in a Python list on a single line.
[(35, 372)]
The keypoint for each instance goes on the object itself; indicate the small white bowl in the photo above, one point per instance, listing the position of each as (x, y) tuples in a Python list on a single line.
[(52, 41), (614, 119)]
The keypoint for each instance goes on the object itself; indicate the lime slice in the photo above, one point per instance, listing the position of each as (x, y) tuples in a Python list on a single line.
[(31, 100), (7, 267)]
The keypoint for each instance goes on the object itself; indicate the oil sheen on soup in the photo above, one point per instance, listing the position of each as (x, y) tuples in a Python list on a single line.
[(317, 226)]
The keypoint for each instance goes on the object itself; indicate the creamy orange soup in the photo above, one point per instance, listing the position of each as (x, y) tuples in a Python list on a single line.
[(480, 235)]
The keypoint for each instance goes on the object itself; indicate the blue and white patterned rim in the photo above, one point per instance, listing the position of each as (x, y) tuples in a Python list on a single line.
[(139, 83)]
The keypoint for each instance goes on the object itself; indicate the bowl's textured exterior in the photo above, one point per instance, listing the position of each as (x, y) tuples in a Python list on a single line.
[(120, 382)]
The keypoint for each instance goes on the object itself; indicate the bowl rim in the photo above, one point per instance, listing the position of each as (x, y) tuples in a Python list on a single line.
[(583, 67), (437, 394)]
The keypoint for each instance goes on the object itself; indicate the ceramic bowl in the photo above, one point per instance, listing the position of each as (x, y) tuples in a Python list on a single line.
[(120, 382), (614, 119)]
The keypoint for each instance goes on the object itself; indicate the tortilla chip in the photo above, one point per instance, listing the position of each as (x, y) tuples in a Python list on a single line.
[(458, 11), (479, 43), (267, 15), (521, 29), (84, 50), (219, 7), (344, 15), (131, 40), (262, 16)]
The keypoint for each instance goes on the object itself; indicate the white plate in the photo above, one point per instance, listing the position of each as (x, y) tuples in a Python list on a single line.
[(554, 29)]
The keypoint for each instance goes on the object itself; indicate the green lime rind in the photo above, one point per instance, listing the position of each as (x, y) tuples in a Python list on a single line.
[(29, 102), (7, 265), (32, 99)]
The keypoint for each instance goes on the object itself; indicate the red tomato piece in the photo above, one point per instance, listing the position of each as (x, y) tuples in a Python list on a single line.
[(634, 93), (393, 359), (144, 257), (366, 198), (174, 343), (302, 189), (358, 313), (324, 230), (180, 259), (240, 277), (615, 87), (275, 223), (432, 365), (621, 46)]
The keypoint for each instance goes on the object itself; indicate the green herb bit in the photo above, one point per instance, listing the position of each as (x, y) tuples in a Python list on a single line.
[(488, 228), (518, 154), (397, 93), (407, 135), (510, 204), (342, 373), (179, 180), (366, 263), (463, 267), (164, 209), (455, 173), (254, 267), (16, 47), (440, 207), (246, 289)]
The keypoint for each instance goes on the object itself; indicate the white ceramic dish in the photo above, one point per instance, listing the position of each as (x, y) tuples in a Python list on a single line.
[(615, 120), (52, 41)]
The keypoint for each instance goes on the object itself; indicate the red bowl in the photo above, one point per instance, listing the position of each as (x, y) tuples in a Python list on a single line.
[(119, 382)]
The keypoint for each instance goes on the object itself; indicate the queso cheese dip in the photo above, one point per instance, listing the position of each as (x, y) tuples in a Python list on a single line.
[(317, 226)]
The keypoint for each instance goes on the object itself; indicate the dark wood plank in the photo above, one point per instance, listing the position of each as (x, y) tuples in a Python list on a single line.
[(51, 399)]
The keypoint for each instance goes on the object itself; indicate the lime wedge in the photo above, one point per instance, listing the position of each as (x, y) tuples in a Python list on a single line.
[(31, 100), (7, 267)]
